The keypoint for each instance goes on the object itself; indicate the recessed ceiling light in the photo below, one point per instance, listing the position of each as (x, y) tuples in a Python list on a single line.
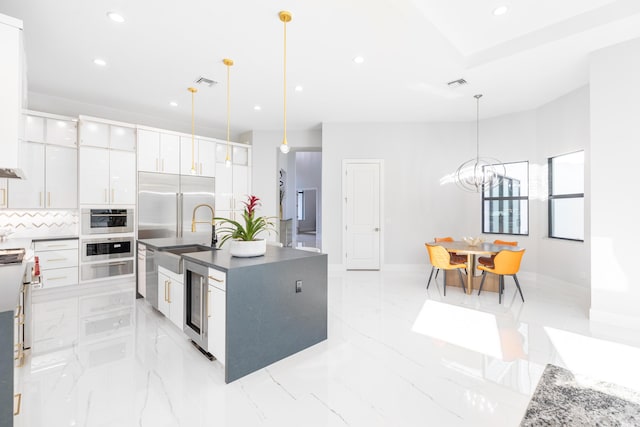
[(500, 10), (100, 62), (257, 107), (358, 59), (298, 88), (173, 103), (115, 16)]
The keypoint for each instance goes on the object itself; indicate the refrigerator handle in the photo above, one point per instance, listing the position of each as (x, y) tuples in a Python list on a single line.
[(179, 214)]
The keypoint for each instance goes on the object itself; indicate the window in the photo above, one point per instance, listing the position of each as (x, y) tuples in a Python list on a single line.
[(505, 207), (566, 196)]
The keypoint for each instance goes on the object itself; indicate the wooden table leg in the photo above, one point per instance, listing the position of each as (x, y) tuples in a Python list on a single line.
[(471, 265)]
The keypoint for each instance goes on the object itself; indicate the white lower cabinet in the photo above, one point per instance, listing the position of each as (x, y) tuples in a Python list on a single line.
[(171, 296), (58, 262), (217, 314)]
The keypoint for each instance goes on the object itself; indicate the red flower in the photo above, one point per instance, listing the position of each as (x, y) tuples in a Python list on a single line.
[(251, 204)]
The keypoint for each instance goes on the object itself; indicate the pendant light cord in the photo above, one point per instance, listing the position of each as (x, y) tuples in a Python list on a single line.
[(193, 128), (285, 83), (228, 64), (478, 127)]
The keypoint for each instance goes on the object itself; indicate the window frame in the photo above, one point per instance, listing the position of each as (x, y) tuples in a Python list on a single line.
[(552, 197), (509, 198)]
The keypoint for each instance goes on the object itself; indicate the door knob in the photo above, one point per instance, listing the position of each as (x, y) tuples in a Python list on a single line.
[(376, 229)]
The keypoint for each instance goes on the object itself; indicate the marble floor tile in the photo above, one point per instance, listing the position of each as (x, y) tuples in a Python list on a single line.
[(397, 355)]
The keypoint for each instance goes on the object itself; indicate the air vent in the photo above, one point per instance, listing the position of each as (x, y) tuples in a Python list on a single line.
[(205, 81), (457, 83)]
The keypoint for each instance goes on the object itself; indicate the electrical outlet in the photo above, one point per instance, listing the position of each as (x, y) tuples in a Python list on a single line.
[(298, 286)]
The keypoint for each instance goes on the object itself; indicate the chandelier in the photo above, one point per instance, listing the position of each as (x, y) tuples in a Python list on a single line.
[(479, 173)]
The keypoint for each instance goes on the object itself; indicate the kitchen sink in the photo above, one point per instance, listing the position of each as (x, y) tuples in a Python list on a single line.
[(171, 258)]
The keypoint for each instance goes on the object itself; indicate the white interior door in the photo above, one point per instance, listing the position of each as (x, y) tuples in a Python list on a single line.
[(362, 215)]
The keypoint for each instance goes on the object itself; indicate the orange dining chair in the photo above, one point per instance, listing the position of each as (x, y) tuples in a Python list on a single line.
[(487, 261), (506, 263), (454, 257), (441, 260)]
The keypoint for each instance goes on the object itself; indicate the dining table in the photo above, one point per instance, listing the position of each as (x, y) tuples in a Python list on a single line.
[(471, 251)]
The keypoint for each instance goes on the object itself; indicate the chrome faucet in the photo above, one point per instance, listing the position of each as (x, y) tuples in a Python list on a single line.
[(214, 238)]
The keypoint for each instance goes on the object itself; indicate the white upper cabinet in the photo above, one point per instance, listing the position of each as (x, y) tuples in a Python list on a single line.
[(94, 175), (207, 157), (107, 134), (240, 155), (61, 132), (61, 177), (33, 128), (107, 176), (51, 178), (95, 134), (158, 152), (169, 153), (122, 175), (11, 90), (51, 129), (29, 192), (123, 138), (203, 157)]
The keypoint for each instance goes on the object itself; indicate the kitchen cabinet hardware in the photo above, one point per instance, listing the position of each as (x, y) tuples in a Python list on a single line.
[(217, 280), (19, 397), (4, 196)]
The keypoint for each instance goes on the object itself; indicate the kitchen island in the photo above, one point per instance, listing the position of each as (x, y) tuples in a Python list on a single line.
[(274, 305), (246, 312)]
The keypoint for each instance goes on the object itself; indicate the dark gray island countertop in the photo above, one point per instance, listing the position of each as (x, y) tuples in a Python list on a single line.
[(162, 243), (222, 259)]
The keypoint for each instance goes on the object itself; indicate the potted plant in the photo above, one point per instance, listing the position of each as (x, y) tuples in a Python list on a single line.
[(244, 238)]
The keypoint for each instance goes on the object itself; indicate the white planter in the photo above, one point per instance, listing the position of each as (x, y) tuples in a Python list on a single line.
[(247, 248)]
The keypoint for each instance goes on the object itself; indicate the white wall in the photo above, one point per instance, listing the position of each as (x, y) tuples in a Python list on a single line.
[(615, 150), (265, 162), (418, 207)]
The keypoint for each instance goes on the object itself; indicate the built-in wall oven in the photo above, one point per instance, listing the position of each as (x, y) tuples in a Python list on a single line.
[(195, 305), (107, 221), (107, 257)]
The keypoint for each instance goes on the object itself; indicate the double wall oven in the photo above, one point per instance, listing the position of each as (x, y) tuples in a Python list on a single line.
[(107, 244)]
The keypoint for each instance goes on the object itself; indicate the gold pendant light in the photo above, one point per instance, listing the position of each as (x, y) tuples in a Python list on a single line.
[(285, 17), (193, 91), (229, 63)]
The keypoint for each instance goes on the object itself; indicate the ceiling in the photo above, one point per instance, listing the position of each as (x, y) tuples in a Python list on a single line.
[(533, 54)]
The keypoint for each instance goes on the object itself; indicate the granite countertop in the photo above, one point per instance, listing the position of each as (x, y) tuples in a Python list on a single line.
[(161, 243), (222, 259), (11, 275)]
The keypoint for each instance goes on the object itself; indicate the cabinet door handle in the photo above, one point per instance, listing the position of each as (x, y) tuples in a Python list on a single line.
[(55, 259), (208, 301), (200, 168), (19, 397), (40, 199), (56, 278), (48, 199), (162, 165), (157, 165), (165, 290), (169, 291), (4, 196), (217, 280)]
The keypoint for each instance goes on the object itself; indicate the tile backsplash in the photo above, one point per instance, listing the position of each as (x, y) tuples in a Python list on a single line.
[(40, 223)]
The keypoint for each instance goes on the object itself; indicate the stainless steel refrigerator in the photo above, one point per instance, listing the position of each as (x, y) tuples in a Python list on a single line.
[(166, 203)]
